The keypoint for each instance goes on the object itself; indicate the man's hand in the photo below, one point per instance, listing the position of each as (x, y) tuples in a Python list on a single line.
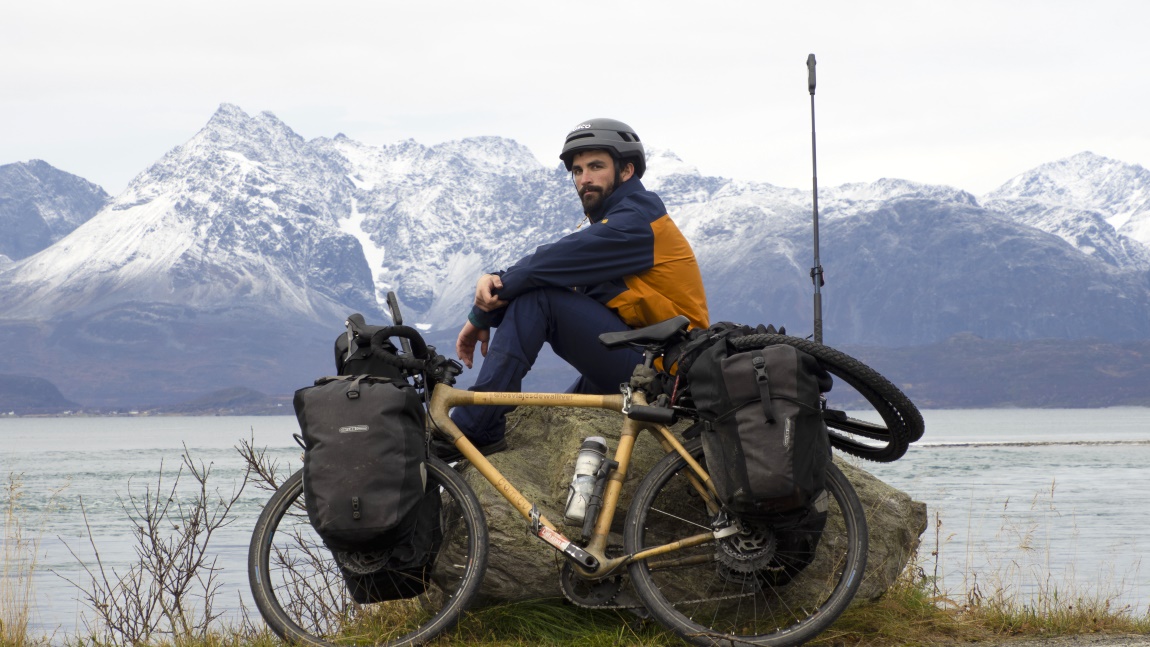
[(465, 343), (485, 290)]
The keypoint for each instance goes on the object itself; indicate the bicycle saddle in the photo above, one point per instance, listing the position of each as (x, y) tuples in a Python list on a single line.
[(659, 333)]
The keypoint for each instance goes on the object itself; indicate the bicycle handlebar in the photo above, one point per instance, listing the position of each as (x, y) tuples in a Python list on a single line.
[(419, 356)]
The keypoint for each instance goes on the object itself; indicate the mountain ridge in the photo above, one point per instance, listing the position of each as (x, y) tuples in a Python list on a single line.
[(235, 257)]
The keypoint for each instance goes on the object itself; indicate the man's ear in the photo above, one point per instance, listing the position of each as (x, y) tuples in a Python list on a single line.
[(628, 171)]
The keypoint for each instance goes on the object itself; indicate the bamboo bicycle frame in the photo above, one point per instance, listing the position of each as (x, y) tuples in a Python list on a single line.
[(445, 397)]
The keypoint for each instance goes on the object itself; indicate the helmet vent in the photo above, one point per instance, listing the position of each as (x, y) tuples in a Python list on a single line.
[(580, 135), (627, 137)]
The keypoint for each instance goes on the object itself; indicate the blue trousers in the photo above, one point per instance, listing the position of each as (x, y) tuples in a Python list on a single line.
[(571, 322)]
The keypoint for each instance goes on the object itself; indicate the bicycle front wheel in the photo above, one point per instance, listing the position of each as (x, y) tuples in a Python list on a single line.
[(768, 585), (302, 595)]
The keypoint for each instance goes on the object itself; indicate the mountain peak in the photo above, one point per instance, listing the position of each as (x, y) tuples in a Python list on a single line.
[(40, 204), (852, 198), (1117, 191), (490, 154), (229, 110), (1082, 179)]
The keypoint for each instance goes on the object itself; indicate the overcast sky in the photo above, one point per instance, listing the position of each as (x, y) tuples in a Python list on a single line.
[(965, 93)]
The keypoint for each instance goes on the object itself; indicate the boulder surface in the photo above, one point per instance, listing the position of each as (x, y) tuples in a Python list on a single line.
[(539, 462)]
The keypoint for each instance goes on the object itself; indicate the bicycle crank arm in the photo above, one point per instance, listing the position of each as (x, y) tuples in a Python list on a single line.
[(581, 557), (564, 545)]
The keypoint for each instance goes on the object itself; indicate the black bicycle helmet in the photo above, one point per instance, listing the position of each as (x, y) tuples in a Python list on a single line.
[(608, 134)]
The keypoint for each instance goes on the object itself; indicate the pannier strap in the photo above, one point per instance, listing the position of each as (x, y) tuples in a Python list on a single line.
[(707, 425), (764, 382), (353, 392)]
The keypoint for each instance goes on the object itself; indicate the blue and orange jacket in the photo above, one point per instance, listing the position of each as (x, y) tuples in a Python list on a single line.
[(634, 260)]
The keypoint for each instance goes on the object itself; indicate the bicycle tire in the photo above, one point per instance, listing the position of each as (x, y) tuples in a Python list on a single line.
[(301, 594), (903, 421), (772, 605)]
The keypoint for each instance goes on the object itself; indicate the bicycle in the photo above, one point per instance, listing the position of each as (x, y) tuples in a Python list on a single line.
[(706, 575)]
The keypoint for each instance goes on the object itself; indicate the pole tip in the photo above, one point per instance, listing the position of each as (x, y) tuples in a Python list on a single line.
[(811, 73)]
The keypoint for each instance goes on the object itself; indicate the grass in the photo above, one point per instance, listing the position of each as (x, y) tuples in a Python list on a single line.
[(913, 613), (20, 553), (555, 622)]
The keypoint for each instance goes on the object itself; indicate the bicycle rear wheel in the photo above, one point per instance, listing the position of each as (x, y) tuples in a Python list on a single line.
[(764, 586), (302, 596)]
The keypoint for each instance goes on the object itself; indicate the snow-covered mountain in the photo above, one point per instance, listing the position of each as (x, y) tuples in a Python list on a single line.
[(235, 258), (905, 262), (1099, 205), (432, 219), (248, 211), (40, 204), (244, 213)]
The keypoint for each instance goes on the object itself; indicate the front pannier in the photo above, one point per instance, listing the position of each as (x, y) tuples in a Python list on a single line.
[(402, 569), (364, 447)]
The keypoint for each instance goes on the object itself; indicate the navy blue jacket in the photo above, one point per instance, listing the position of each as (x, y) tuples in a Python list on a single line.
[(634, 260)]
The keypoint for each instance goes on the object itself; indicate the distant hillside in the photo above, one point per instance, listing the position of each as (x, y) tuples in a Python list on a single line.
[(966, 371), (25, 395), (234, 401)]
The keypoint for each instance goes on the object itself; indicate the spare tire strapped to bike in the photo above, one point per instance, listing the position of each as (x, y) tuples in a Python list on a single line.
[(903, 421), (364, 477)]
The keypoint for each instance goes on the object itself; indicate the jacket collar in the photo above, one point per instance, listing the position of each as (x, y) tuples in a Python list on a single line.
[(624, 190)]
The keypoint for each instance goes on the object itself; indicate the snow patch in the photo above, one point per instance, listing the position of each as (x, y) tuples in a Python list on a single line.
[(1117, 220), (360, 184), (374, 254), (455, 288)]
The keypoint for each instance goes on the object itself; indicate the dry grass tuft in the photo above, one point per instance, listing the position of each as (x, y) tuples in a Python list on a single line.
[(20, 553)]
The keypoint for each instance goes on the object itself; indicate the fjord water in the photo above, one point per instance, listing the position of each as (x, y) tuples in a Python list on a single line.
[(1041, 500)]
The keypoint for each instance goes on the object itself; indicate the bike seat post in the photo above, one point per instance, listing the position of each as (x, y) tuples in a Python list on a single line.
[(650, 353)]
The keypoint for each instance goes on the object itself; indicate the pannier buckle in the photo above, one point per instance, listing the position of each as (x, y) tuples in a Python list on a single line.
[(760, 366)]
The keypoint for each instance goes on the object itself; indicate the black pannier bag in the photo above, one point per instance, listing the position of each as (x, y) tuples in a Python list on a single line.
[(403, 569), (365, 447), (762, 421)]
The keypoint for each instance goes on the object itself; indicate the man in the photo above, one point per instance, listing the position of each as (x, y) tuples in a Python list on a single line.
[(630, 268)]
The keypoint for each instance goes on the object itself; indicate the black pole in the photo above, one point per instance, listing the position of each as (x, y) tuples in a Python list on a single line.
[(817, 270)]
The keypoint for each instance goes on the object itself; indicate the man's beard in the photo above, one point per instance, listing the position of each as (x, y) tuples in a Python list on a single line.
[(594, 198)]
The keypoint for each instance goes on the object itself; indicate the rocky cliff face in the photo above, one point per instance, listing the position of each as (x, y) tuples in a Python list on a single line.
[(40, 204)]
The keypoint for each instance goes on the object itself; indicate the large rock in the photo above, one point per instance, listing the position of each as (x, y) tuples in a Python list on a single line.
[(539, 462)]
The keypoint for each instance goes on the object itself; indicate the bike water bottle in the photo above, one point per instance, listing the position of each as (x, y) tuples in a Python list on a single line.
[(591, 455)]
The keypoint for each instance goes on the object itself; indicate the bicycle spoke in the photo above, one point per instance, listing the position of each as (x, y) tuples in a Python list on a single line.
[(301, 590), (765, 585)]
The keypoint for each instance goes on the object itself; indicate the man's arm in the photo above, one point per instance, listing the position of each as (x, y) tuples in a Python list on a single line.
[(600, 253), (465, 343)]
